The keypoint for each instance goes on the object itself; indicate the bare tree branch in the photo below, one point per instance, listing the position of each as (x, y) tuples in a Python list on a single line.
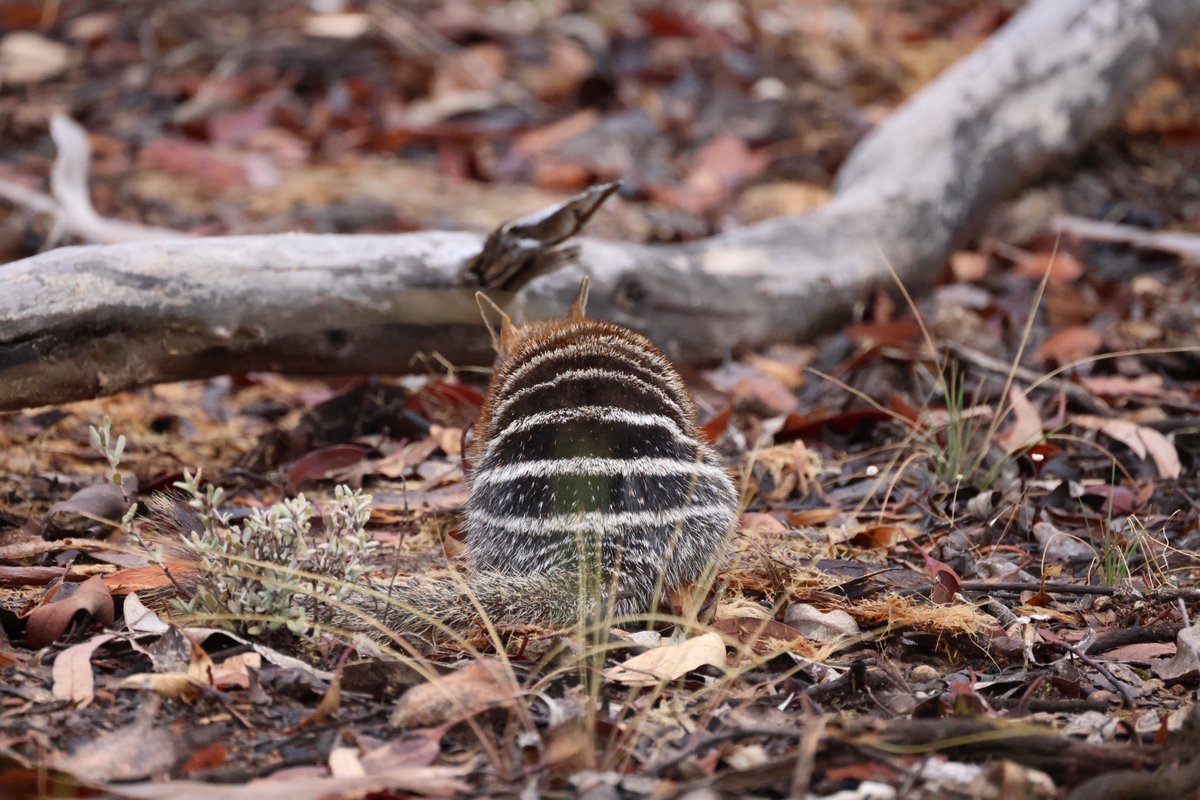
[(83, 321)]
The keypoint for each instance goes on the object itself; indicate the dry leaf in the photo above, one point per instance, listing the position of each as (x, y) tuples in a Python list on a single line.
[(670, 661), (138, 618), (72, 672), (568, 748), (426, 781), (820, 626), (1026, 429), (47, 622), (1186, 662), (1138, 438), (478, 685), (31, 58), (1070, 344), (331, 701), (172, 685), (234, 672), (344, 763), (968, 266)]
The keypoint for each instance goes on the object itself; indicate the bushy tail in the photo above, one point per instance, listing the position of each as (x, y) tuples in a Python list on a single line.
[(452, 606)]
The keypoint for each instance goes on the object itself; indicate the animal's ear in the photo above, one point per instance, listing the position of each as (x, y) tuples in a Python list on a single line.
[(579, 307), (504, 336)]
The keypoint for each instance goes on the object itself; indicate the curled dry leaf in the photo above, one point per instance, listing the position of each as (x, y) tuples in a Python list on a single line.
[(72, 672), (479, 685), (1186, 662), (27, 57), (331, 701), (820, 626), (48, 621), (426, 781), (105, 501), (140, 619), (1070, 344), (185, 686), (1026, 429), (670, 661), (1138, 438)]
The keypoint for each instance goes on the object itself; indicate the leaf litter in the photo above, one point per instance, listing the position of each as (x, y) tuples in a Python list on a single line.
[(958, 571)]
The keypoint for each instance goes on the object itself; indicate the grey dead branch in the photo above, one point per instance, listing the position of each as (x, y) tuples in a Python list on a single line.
[(85, 321)]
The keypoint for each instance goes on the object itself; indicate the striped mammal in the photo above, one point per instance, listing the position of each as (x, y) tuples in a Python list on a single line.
[(591, 477)]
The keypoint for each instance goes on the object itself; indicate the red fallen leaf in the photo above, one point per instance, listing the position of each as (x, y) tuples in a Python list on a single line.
[(715, 427), (538, 141), (968, 266), (446, 401), (720, 165), (808, 517), (238, 127), (896, 333), (946, 583), (1069, 344), (877, 536), (214, 755), (1122, 499), (1141, 653), (901, 405), (319, 463), (182, 157), (801, 426), (1064, 267), (1119, 386), (766, 391), (139, 579), (415, 748), (48, 621)]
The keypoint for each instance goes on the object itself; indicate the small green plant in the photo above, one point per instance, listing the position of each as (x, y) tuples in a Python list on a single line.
[(112, 451), (257, 569), (102, 442)]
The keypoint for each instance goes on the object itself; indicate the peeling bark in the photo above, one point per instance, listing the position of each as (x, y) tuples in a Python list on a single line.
[(84, 321)]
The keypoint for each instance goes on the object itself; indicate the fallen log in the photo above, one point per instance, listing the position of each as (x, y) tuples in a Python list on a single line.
[(84, 321)]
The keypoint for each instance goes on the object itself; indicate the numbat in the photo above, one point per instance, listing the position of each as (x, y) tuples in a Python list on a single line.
[(591, 480)]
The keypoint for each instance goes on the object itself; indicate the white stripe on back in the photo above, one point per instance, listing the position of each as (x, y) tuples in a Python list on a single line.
[(607, 467), (600, 521), (583, 374), (629, 356), (589, 413)]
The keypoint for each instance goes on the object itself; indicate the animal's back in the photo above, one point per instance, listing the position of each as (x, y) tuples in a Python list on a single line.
[(587, 454)]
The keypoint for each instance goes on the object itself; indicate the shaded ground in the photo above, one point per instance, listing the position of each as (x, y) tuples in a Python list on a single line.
[(1000, 545)]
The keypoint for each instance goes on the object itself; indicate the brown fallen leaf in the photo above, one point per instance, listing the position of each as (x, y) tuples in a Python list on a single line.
[(568, 748), (331, 701), (466, 691), (48, 621), (1069, 344), (426, 781), (1026, 429), (27, 57), (185, 686), (102, 501), (72, 671), (670, 661), (1138, 438)]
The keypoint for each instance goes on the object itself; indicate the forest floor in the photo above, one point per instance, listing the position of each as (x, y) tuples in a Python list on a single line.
[(966, 565)]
